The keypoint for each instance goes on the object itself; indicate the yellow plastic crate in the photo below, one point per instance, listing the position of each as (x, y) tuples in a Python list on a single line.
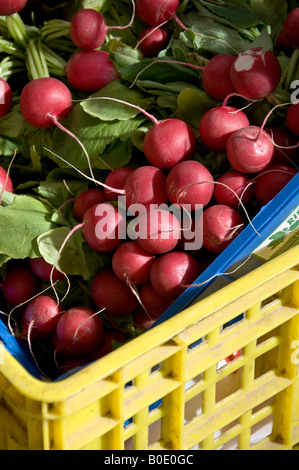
[(203, 402)]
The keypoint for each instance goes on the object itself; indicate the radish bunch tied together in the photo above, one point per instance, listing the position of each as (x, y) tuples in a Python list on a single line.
[(137, 142)]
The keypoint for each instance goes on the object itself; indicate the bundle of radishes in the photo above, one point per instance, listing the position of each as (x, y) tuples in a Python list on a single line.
[(159, 190)]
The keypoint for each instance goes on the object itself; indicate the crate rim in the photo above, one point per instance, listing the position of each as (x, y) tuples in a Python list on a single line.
[(46, 391)]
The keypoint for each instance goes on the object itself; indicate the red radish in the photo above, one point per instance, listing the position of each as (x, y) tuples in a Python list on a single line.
[(221, 225), (42, 270), (5, 97), (9, 7), (152, 40), (173, 272), (154, 12), (5, 181), (283, 44), (58, 347), (145, 186), (41, 316), (73, 362), (90, 70), (45, 100), (108, 343), (233, 188), (256, 73), (216, 79), (291, 28), (19, 285), (250, 150), (218, 124), (190, 183), (112, 294), (157, 231), (169, 142), (131, 263), (142, 321), (103, 227), (293, 118), (191, 239), (285, 149), (271, 181), (116, 179), (80, 330), (176, 133), (88, 28), (87, 199), (153, 302)]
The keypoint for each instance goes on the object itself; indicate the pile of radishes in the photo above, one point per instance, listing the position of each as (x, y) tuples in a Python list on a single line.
[(153, 259)]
